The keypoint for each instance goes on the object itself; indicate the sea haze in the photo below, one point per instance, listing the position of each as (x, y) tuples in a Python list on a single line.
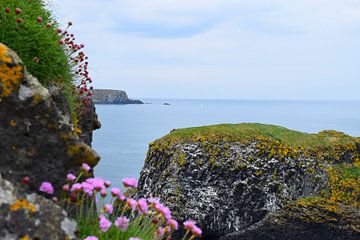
[(127, 130)]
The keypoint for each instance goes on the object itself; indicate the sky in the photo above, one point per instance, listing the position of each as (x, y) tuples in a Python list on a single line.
[(220, 49)]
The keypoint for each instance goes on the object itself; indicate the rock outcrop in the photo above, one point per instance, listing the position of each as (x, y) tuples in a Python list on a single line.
[(107, 96), (253, 181), (38, 139), (31, 216)]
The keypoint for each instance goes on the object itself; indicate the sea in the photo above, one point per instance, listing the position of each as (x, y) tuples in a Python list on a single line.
[(127, 130)]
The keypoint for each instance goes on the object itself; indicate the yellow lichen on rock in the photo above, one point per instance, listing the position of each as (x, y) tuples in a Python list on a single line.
[(22, 204), (10, 73), (83, 154)]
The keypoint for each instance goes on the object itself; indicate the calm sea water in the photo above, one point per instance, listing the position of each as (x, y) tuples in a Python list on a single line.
[(127, 130)]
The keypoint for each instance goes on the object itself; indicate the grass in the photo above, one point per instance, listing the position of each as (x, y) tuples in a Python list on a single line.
[(37, 44), (247, 131)]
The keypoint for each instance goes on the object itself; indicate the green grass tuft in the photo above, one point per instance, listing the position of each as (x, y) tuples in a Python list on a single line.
[(36, 44), (247, 131)]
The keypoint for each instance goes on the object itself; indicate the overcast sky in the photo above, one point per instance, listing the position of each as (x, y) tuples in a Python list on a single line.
[(221, 49)]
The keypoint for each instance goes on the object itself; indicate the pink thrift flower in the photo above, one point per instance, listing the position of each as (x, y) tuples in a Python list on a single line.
[(46, 187), (165, 211), (153, 200), (70, 177), (39, 19), (196, 231), (189, 225), (142, 206), (18, 10), (159, 232), (91, 238), (98, 184), (115, 192), (130, 182), (107, 183), (66, 187), (109, 208), (85, 167), (122, 223), (131, 203), (167, 229), (104, 223), (134, 238), (76, 187), (173, 224), (103, 193), (87, 188)]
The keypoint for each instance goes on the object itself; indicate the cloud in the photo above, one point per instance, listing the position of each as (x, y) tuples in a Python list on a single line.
[(245, 49)]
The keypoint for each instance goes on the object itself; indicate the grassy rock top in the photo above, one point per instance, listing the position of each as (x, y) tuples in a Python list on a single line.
[(245, 132)]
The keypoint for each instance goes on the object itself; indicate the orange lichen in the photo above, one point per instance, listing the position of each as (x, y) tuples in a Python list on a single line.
[(13, 123), (36, 100), (77, 130), (10, 75), (22, 204), (26, 237)]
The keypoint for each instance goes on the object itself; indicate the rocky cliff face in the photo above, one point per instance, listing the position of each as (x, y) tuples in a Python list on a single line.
[(37, 137), (233, 178), (106, 96), (38, 141)]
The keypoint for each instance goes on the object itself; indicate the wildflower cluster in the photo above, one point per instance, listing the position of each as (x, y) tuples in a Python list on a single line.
[(104, 212), (50, 53), (78, 62)]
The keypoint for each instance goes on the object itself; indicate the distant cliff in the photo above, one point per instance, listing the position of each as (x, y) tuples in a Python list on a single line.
[(107, 96)]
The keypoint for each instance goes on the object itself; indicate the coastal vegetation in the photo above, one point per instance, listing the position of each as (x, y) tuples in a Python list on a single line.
[(50, 53)]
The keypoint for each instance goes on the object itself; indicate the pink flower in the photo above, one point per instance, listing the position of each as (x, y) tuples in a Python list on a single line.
[(122, 223), (25, 180), (163, 211), (58, 30), (159, 232), (98, 183), (46, 187), (130, 182), (88, 188), (61, 42), (108, 208), (115, 192), (131, 203), (39, 19), (103, 193), (48, 25), (134, 238), (91, 238), (173, 224), (76, 187), (196, 231), (85, 167), (104, 223), (142, 206), (18, 10), (66, 187), (70, 177), (189, 225), (153, 200), (7, 10), (107, 183)]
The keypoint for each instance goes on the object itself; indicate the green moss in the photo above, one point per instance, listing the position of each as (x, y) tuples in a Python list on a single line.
[(249, 131)]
